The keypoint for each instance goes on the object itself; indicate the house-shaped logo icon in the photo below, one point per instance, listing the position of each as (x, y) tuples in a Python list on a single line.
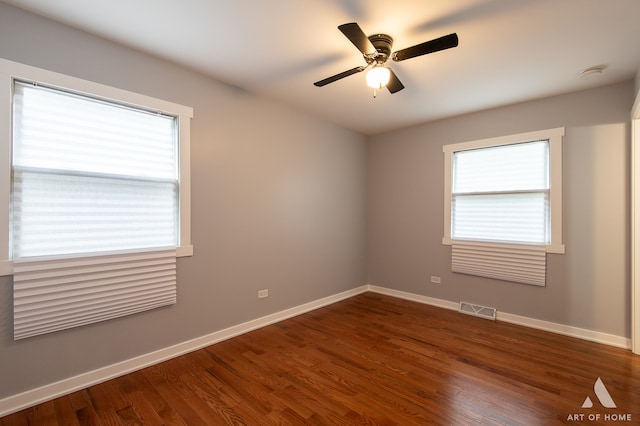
[(602, 394)]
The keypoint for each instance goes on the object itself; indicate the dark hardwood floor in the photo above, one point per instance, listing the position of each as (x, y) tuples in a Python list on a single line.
[(373, 360)]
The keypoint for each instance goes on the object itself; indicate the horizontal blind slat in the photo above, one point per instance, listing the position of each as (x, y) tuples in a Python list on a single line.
[(84, 312), (53, 263), (50, 328), (67, 312), (516, 264), (85, 290), (91, 275), (50, 303)]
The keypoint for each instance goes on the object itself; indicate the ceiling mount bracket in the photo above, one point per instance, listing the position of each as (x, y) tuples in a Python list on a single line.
[(382, 43)]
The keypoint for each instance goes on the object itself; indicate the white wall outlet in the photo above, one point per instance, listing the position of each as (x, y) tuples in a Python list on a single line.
[(435, 280), (263, 293)]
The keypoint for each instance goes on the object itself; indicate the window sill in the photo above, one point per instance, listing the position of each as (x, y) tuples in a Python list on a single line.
[(184, 251), (6, 266)]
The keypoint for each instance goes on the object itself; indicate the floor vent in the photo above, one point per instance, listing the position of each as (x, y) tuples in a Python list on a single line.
[(477, 310)]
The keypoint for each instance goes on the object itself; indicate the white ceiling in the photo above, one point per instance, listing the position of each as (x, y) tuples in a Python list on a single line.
[(510, 50)]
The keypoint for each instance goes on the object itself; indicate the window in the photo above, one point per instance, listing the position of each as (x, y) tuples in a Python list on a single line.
[(94, 168), (90, 175), (503, 195), (95, 199), (505, 190)]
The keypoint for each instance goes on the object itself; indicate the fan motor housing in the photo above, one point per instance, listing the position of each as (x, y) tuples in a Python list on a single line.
[(382, 43)]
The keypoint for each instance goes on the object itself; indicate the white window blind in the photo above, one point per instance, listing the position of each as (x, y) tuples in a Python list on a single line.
[(503, 205), (90, 175), (57, 294), (501, 194), (517, 263), (95, 209)]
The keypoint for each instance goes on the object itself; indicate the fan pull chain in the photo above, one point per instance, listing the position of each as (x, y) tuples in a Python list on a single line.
[(375, 93)]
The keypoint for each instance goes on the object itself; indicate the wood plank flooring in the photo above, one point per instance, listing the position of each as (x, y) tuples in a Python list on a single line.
[(368, 360)]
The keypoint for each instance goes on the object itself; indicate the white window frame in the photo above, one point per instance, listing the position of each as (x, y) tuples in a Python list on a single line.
[(10, 71), (554, 136)]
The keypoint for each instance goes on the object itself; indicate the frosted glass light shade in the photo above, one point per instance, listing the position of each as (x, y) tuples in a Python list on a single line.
[(378, 77)]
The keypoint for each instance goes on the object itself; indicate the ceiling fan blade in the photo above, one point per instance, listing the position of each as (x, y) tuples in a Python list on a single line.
[(359, 39), (338, 76), (442, 43), (394, 85)]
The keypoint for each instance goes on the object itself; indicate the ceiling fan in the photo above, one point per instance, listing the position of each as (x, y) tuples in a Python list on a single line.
[(376, 50)]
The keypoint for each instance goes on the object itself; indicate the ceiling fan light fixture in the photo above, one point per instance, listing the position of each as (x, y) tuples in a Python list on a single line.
[(378, 77), (376, 50)]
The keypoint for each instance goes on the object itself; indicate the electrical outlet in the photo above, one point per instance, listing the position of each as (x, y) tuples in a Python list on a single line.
[(263, 293), (435, 280)]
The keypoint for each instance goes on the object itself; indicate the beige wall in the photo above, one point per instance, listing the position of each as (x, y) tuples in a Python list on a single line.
[(588, 287), (278, 203)]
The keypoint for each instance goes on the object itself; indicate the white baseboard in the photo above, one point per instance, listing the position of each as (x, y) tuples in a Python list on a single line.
[(580, 333), (415, 297), (48, 392), (566, 330)]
